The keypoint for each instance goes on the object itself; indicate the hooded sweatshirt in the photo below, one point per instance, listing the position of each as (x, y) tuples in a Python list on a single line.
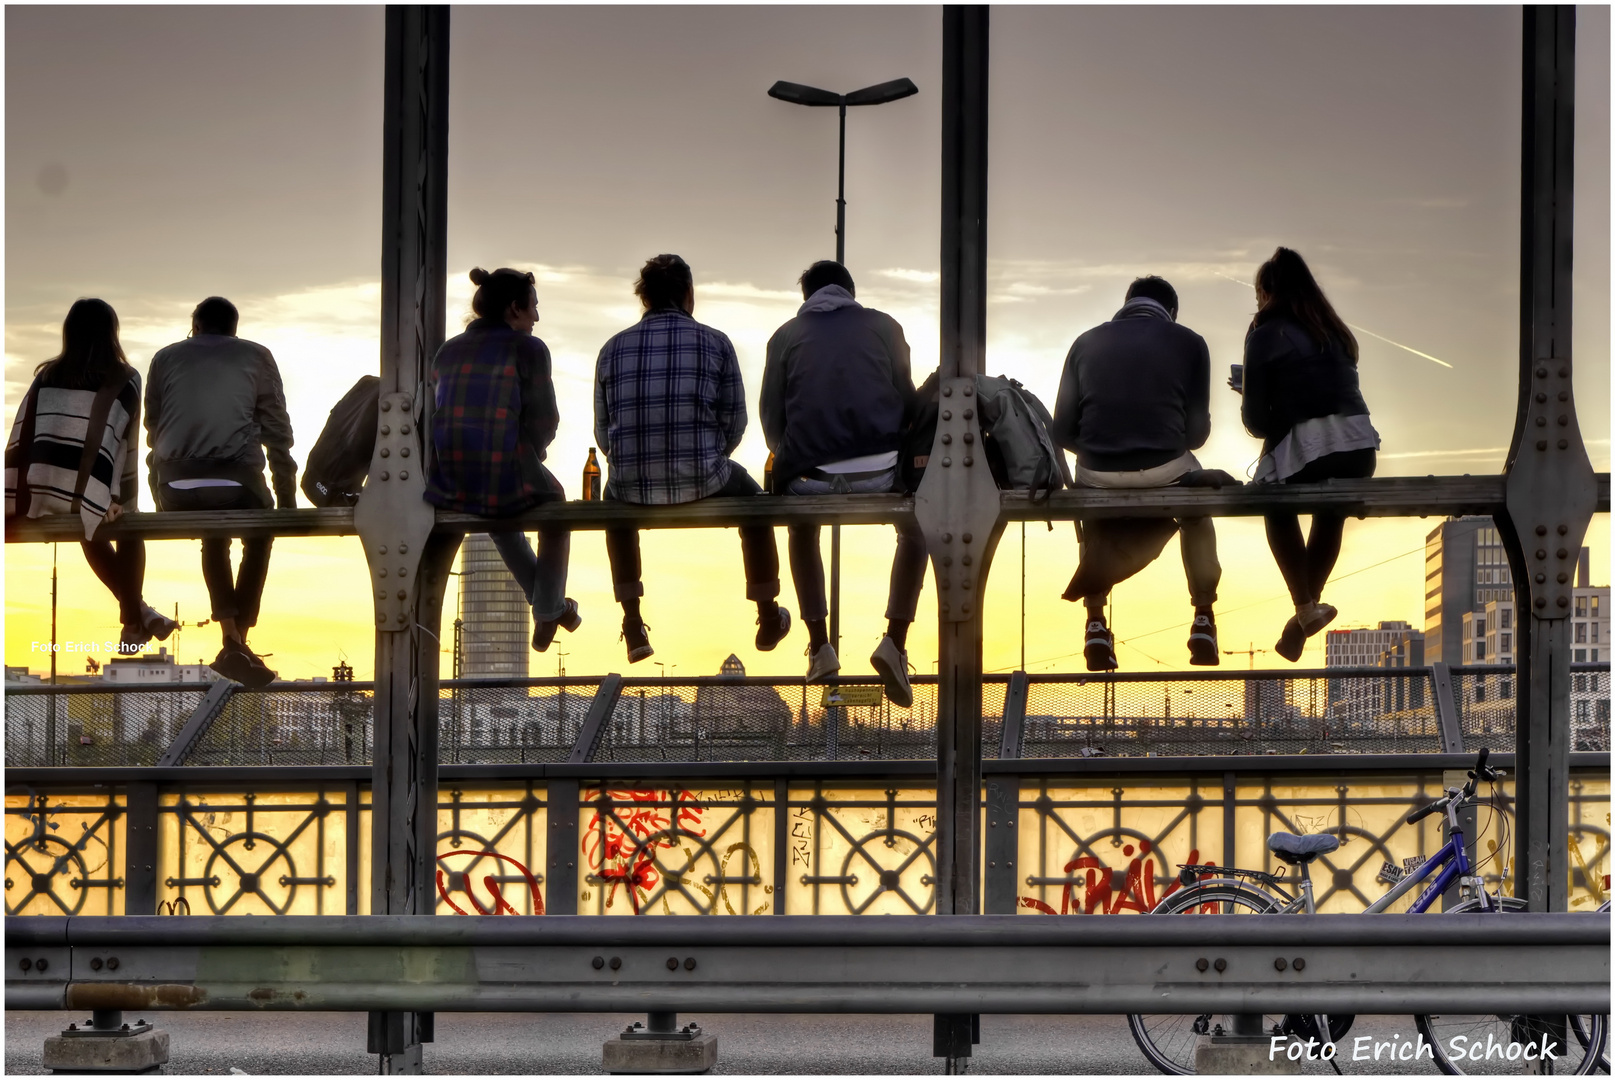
[(1135, 393), (836, 384)]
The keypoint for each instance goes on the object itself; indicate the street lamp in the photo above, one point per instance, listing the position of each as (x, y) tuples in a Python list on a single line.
[(813, 97)]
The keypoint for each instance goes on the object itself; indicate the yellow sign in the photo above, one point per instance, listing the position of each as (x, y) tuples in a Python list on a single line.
[(852, 696)]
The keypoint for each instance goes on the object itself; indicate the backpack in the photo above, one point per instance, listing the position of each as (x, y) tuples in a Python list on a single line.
[(336, 468), (1015, 424), (1015, 437)]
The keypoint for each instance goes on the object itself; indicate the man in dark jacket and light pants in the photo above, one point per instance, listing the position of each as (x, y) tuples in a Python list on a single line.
[(1134, 402), (837, 397)]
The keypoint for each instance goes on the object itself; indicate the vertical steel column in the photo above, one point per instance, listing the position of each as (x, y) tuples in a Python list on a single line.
[(408, 568), (1550, 490), (957, 503)]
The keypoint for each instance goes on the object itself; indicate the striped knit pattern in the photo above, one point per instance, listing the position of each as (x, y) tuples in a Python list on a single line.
[(59, 435), (669, 409)]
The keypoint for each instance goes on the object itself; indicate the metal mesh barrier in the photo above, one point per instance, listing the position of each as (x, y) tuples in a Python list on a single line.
[(327, 726), (1484, 698), (779, 719), (1259, 715), (498, 722), (89, 729)]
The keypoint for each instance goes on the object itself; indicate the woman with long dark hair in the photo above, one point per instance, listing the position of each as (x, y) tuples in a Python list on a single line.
[(72, 450), (1302, 398)]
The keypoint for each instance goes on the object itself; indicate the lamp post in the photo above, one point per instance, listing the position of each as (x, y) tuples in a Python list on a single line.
[(813, 97)]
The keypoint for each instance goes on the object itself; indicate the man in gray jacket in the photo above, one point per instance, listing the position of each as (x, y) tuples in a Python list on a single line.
[(837, 397), (1134, 404), (214, 405)]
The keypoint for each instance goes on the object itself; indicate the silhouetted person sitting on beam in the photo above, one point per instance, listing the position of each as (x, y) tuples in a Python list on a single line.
[(837, 397), (495, 416), (72, 451), (1302, 397), (1134, 403), (214, 406), (669, 409)]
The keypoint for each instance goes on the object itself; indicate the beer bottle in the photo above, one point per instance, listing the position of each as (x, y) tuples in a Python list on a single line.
[(768, 474), (591, 477)]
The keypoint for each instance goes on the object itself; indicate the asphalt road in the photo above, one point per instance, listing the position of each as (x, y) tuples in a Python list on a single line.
[(569, 1043)]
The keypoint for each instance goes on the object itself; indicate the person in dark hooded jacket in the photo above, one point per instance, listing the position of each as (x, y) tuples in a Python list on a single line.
[(837, 397)]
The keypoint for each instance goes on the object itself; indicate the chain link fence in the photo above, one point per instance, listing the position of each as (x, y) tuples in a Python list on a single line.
[(781, 719)]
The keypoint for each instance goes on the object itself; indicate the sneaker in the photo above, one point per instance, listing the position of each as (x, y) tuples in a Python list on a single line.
[(635, 634), (1292, 640), (155, 623), (1322, 616), (891, 664), (544, 631), (240, 664), (1100, 647), (1203, 642), (822, 665), (772, 631), (132, 640)]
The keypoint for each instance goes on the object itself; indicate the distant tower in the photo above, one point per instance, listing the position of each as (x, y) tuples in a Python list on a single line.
[(1465, 568), (497, 618)]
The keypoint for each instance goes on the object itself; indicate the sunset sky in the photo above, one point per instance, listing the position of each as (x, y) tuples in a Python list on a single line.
[(158, 155)]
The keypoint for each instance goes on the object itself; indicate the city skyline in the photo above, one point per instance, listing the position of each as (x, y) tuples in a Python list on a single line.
[(1393, 166)]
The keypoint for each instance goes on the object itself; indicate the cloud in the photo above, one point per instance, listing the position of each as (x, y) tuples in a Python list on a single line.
[(919, 277)]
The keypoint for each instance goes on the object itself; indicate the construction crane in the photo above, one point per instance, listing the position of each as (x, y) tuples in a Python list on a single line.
[(1250, 652)]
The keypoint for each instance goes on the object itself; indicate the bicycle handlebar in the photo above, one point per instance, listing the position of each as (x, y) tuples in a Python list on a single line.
[(1481, 772)]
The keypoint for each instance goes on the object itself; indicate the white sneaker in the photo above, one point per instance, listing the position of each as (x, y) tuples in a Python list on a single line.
[(823, 665), (891, 663)]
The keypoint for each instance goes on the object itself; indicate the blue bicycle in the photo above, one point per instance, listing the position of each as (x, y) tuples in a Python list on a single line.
[(1169, 1040)]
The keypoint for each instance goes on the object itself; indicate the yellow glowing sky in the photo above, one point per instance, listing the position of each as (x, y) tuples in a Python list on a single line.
[(149, 172)]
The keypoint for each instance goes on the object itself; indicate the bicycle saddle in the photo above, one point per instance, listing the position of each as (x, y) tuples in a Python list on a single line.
[(1295, 849)]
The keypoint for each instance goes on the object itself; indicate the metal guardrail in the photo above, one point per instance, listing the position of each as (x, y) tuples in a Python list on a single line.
[(948, 964)]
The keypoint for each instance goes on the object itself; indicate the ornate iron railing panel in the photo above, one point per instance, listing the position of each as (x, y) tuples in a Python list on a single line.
[(64, 851)]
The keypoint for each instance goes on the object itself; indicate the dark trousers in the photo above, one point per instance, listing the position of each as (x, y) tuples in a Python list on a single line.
[(235, 598), (757, 549), (902, 595), (123, 570), (1306, 564)]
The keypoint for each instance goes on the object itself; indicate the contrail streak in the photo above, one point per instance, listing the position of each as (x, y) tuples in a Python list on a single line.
[(1359, 329)]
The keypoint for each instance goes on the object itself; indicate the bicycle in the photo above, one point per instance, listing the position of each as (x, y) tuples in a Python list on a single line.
[(1168, 1040)]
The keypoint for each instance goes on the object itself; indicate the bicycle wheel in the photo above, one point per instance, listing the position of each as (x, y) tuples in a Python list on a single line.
[(1168, 1039), (1479, 1045)]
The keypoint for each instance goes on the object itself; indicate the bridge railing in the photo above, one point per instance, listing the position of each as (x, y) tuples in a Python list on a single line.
[(1076, 835)]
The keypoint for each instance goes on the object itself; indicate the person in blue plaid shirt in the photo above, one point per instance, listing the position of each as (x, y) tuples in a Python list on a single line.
[(494, 417), (669, 409)]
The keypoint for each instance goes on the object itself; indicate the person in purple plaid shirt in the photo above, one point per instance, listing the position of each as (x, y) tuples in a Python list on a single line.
[(494, 416), (669, 409)]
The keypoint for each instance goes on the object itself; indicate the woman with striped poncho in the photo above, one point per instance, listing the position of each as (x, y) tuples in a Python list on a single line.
[(72, 451)]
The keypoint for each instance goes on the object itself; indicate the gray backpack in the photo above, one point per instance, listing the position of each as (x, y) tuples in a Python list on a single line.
[(1016, 429)]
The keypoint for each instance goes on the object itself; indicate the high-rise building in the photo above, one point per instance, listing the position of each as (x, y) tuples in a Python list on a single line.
[(1465, 568), (496, 618), (1393, 644)]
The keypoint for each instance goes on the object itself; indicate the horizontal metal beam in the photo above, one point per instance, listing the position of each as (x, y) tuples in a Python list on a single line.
[(1253, 765), (1392, 496), (897, 964)]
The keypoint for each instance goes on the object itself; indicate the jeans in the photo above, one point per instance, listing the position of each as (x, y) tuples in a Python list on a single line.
[(1111, 550), (807, 562), (236, 599), (757, 550), (122, 570), (542, 577), (1307, 564)]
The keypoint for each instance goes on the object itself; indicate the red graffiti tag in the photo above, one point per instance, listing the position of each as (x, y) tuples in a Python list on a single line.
[(1137, 891), (501, 906), (615, 845)]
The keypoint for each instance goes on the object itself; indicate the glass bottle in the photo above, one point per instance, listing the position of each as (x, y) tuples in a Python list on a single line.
[(768, 474), (591, 477)]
